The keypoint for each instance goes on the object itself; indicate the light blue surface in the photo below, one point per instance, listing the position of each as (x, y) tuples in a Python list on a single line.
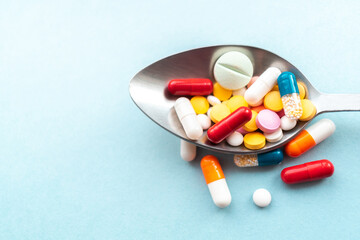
[(78, 159)]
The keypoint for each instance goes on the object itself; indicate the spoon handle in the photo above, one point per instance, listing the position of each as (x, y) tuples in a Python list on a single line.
[(338, 102)]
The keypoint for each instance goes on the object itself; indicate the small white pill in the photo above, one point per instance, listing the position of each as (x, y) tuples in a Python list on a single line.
[(213, 100), (233, 70), (187, 150), (240, 92), (235, 139), (204, 121), (262, 197), (287, 123), (208, 112), (275, 136)]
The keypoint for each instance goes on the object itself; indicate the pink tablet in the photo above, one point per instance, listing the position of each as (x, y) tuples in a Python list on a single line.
[(268, 121)]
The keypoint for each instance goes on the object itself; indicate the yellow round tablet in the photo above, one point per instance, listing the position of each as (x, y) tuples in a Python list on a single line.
[(275, 88), (305, 88), (272, 101), (309, 110), (221, 93), (250, 126), (200, 104), (235, 102), (301, 91), (254, 140), (219, 112)]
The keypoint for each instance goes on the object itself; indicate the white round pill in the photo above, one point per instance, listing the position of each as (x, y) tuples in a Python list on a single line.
[(235, 139), (240, 92), (208, 112), (213, 100), (275, 136), (287, 123), (233, 70), (204, 121), (262, 197)]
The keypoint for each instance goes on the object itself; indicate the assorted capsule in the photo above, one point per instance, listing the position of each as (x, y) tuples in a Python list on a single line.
[(271, 103), (240, 108)]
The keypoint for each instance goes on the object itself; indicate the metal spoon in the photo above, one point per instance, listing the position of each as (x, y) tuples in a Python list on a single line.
[(148, 89)]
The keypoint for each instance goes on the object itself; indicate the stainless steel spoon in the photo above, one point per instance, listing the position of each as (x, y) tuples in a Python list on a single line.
[(148, 89)]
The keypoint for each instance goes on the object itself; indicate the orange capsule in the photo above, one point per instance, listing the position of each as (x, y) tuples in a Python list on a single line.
[(310, 137), (215, 180)]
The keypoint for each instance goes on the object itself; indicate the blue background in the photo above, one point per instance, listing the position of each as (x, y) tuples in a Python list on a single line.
[(78, 159)]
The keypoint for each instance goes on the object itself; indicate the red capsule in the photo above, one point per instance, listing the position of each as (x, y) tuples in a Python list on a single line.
[(191, 86), (225, 127), (306, 172)]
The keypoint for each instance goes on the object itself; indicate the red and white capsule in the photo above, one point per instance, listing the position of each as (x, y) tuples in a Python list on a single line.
[(306, 172), (191, 86), (225, 127)]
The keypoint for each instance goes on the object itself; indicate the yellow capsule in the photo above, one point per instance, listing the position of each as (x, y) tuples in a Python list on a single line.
[(250, 126), (254, 140), (235, 102), (221, 93), (200, 104), (219, 112), (273, 101), (309, 110)]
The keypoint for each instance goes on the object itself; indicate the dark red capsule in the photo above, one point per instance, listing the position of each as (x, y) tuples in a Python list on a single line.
[(191, 86), (225, 127), (306, 172)]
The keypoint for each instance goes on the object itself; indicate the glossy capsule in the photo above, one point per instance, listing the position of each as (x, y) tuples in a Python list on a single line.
[(225, 127), (310, 137), (290, 97), (191, 86), (215, 180), (306, 172), (263, 159)]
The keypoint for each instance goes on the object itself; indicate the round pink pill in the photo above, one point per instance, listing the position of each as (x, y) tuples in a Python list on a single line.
[(242, 131), (268, 121)]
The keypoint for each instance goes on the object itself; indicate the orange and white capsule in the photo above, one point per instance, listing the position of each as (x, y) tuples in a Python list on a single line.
[(310, 137), (215, 180)]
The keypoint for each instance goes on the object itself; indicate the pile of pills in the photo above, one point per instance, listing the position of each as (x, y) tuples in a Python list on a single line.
[(240, 108), (243, 109)]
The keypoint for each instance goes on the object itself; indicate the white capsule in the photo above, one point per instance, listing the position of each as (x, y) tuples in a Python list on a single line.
[(262, 197), (220, 193), (213, 100), (187, 117), (187, 150), (287, 123), (235, 139), (275, 136), (233, 70), (321, 130), (258, 103), (262, 85), (239, 92), (204, 121)]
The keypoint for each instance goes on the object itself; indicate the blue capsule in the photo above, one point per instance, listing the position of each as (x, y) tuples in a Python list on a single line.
[(263, 159)]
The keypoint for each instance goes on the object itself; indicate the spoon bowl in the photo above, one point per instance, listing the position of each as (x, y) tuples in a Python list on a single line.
[(148, 89)]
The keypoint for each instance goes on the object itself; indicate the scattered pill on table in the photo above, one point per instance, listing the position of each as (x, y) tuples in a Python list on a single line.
[(215, 179), (187, 150), (310, 137), (310, 171), (191, 86), (233, 70), (262, 197), (263, 159)]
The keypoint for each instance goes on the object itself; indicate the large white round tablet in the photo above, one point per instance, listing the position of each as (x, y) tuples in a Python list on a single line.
[(287, 123), (235, 139), (233, 70), (262, 197)]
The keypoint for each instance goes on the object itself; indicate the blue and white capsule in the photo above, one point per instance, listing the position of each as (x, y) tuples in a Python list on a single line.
[(263, 159)]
